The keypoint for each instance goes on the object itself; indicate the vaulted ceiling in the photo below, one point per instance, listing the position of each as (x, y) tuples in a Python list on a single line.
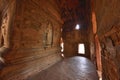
[(75, 12), (73, 9)]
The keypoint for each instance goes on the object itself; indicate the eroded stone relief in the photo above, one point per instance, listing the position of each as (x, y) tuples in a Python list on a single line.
[(4, 43), (48, 40)]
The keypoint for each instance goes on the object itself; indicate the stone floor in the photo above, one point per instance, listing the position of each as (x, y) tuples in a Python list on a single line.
[(75, 68)]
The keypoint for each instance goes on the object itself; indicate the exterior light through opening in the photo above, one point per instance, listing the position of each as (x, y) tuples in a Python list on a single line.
[(77, 27), (81, 48)]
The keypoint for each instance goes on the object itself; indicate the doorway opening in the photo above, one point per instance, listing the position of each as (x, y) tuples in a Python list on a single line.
[(81, 48)]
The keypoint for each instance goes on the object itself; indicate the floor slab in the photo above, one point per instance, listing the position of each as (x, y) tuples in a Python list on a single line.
[(75, 68)]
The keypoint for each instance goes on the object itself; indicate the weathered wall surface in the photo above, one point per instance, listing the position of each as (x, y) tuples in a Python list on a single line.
[(72, 39), (108, 22), (35, 38), (107, 14)]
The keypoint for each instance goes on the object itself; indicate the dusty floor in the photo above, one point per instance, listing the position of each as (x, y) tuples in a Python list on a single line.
[(75, 68)]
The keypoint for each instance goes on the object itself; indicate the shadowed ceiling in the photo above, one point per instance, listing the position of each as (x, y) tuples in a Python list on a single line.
[(72, 12), (75, 12)]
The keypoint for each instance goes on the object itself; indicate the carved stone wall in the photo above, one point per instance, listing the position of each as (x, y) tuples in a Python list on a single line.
[(32, 48), (110, 54), (108, 22)]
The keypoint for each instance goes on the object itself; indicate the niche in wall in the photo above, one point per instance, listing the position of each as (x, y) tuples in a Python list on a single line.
[(48, 36)]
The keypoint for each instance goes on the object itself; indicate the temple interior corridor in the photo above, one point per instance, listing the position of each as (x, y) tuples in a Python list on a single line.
[(59, 39)]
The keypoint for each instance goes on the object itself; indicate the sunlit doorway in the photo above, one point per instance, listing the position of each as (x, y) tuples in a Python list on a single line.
[(81, 48)]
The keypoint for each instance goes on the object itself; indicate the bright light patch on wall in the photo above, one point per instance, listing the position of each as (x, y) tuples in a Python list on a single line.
[(77, 27), (61, 29), (62, 46), (100, 78), (81, 49), (62, 55)]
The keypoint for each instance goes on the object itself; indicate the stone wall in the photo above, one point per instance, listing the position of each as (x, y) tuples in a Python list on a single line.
[(72, 39), (108, 23), (34, 38)]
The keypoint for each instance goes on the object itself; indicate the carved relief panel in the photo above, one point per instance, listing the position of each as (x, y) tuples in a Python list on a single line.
[(48, 38), (4, 32), (114, 34), (4, 36)]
